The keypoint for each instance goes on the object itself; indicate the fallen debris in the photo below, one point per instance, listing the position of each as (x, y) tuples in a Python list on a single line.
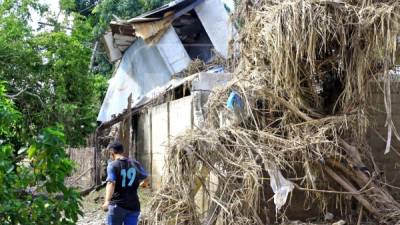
[(303, 76), (340, 222)]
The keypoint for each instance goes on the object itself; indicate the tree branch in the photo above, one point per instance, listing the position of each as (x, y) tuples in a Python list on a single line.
[(35, 95), (24, 91), (16, 95)]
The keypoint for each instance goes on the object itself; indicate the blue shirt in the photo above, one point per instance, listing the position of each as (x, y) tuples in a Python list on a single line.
[(112, 176), (126, 174)]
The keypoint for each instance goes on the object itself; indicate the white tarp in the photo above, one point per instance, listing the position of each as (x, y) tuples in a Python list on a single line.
[(215, 20), (142, 69), (173, 52)]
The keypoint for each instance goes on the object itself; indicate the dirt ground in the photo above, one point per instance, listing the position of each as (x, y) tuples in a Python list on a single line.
[(93, 215)]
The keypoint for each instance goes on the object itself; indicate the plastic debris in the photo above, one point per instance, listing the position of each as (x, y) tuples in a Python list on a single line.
[(234, 101), (216, 69), (281, 188), (340, 222), (328, 216)]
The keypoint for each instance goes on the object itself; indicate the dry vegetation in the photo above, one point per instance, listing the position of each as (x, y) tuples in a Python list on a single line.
[(304, 74)]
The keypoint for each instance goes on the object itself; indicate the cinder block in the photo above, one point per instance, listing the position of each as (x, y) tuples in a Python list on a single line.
[(158, 167), (143, 135), (159, 123), (180, 116)]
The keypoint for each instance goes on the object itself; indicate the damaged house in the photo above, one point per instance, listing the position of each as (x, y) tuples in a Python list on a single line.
[(153, 95)]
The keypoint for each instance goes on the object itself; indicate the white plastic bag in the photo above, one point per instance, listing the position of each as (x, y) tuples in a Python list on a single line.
[(281, 188)]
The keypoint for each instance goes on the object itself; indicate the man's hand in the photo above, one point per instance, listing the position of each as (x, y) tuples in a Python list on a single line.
[(145, 183), (105, 206)]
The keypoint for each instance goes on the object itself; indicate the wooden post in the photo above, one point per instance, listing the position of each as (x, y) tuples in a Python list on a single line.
[(96, 179), (151, 147), (124, 134)]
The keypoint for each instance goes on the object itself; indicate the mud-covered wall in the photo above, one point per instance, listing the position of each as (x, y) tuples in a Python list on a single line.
[(389, 164)]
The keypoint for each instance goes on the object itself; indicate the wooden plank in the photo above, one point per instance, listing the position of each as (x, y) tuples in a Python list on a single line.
[(113, 53), (122, 29), (123, 38)]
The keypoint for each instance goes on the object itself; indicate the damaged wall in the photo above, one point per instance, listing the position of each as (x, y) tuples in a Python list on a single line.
[(159, 125)]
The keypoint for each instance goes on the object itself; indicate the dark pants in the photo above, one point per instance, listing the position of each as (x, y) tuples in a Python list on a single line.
[(118, 216)]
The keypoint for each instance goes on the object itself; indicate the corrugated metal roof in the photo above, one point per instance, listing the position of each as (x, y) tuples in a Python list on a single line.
[(175, 6)]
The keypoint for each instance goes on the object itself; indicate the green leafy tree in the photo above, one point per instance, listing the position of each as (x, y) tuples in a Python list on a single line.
[(48, 74), (45, 81), (32, 189), (68, 86)]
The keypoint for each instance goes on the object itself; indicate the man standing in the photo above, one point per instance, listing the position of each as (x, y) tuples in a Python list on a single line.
[(123, 179)]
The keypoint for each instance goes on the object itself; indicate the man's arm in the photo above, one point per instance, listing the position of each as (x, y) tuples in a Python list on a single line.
[(111, 179), (143, 175), (109, 192)]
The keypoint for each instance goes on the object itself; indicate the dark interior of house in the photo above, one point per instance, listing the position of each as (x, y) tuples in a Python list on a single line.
[(193, 36)]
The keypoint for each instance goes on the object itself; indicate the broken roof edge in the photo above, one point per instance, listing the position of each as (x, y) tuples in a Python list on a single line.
[(113, 53), (141, 20), (175, 8), (151, 27), (140, 104)]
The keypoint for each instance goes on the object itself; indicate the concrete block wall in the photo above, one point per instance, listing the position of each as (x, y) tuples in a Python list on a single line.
[(156, 129), (143, 140), (159, 141)]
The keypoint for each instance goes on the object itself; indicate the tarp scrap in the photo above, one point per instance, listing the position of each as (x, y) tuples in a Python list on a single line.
[(234, 101), (281, 188)]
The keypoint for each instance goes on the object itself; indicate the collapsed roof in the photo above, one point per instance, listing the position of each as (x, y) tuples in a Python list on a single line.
[(157, 46), (186, 16)]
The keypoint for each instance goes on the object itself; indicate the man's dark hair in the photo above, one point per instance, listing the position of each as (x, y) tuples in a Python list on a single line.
[(116, 147)]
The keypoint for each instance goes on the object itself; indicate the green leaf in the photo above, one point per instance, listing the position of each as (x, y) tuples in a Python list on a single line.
[(10, 169), (22, 150)]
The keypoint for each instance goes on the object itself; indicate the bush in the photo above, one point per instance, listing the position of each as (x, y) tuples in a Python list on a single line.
[(32, 189)]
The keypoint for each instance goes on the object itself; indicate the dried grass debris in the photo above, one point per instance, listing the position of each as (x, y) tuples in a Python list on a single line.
[(304, 74)]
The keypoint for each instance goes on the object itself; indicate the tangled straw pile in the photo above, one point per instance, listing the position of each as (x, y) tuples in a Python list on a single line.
[(304, 74)]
